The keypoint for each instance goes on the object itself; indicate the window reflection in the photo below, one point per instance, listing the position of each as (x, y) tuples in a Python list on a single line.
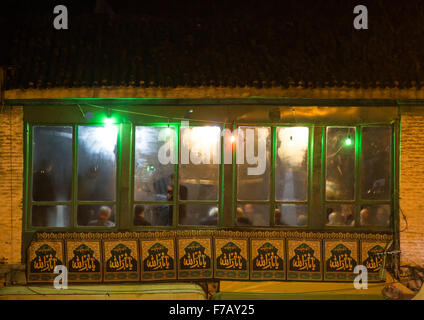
[(97, 163), (52, 163), (199, 163), (152, 177), (375, 170), (252, 186), (51, 216), (291, 175), (291, 215), (340, 170), (96, 215)]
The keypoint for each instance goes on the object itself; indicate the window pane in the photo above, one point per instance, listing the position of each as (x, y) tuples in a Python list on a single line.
[(96, 215), (154, 152), (340, 215), (198, 214), (340, 164), (375, 215), (97, 163), (253, 163), (375, 157), (152, 215), (291, 168), (199, 163), (51, 216), (52, 163), (291, 215), (252, 215)]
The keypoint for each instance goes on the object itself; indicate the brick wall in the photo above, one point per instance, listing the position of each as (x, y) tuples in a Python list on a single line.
[(11, 183), (412, 186)]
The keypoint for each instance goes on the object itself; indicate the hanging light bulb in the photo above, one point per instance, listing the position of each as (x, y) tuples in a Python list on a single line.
[(290, 143), (232, 138), (109, 121)]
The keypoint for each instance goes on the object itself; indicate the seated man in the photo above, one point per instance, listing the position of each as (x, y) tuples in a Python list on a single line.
[(139, 219), (103, 218), (212, 218), (335, 219), (241, 219)]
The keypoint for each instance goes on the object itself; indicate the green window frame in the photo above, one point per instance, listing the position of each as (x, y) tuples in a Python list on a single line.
[(74, 202), (176, 201), (227, 199), (272, 202), (358, 202)]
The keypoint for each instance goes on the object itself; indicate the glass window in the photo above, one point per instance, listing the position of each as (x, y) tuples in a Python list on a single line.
[(154, 163), (291, 166), (198, 214), (255, 170), (340, 163), (52, 164), (252, 215), (373, 172), (97, 163), (51, 216), (199, 163), (53, 199), (96, 215), (340, 214), (253, 163), (375, 215), (291, 215), (152, 215), (375, 163), (199, 155)]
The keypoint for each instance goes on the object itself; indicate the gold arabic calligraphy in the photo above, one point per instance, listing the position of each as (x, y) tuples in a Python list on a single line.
[(196, 259)]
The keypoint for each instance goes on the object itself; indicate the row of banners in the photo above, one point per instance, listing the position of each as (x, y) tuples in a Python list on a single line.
[(107, 259)]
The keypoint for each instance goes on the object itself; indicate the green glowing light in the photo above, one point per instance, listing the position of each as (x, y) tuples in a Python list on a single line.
[(348, 141), (108, 121)]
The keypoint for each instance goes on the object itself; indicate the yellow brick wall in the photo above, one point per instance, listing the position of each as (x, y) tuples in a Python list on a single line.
[(412, 186), (11, 183)]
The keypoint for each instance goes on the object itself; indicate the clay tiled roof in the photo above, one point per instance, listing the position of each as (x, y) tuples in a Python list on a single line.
[(290, 45)]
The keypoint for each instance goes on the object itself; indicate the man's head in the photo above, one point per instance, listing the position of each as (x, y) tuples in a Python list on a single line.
[(139, 210), (364, 216), (382, 217), (277, 215), (105, 213), (239, 213), (248, 208), (213, 212)]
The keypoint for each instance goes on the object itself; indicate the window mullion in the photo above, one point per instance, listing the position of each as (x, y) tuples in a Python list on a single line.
[(272, 188), (358, 167), (75, 176)]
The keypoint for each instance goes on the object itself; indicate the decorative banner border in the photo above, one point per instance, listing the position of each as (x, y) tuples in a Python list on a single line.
[(298, 268), (83, 260), (267, 259), (304, 260), (158, 260), (121, 260), (372, 258), (231, 258), (340, 259), (43, 257), (195, 258)]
